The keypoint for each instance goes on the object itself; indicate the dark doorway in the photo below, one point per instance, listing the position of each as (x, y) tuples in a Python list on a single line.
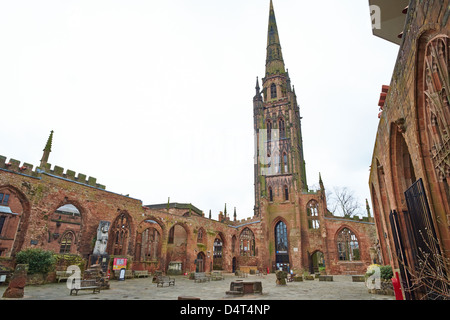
[(200, 262)]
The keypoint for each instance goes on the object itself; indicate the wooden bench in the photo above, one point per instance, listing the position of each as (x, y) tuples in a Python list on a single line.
[(141, 273), (63, 275), (241, 274), (161, 280), (216, 275), (90, 284), (201, 277)]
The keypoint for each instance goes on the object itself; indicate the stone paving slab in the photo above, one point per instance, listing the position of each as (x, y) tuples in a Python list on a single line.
[(342, 288)]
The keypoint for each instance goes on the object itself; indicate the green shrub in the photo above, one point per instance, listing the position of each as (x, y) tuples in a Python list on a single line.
[(38, 260), (386, 272)]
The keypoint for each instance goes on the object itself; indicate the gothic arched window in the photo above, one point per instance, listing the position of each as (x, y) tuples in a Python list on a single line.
[(150, 244), (348, 247), (312, 209), (66, 242), (121, 232), (247, 243)]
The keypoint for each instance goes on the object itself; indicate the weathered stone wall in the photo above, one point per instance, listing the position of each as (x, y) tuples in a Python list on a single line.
[(404, 131)]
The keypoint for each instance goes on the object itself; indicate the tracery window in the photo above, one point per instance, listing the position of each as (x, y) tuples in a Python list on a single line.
[(218, 248), (247, 243), (436, 83), (120, 232), (66, 242), (348, 247), (312, 210), (150, 244), (200, 235), (281, 240)]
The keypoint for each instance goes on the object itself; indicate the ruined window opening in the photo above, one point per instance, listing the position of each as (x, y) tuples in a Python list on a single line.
[(312, 210), (218, 248), (247, 240), (150, 244), (200, 236), (121, 232), (348, 247)]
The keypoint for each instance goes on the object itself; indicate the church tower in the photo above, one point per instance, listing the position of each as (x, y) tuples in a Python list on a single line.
[(280, 175), (279, 161)]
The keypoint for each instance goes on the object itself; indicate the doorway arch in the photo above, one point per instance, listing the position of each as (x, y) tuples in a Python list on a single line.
[(200, 262), (281, 246)]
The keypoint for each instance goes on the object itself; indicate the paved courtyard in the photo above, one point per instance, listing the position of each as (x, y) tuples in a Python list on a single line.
[(342, 288)]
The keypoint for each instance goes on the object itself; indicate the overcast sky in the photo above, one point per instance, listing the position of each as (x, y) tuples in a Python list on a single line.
[(154, 98)]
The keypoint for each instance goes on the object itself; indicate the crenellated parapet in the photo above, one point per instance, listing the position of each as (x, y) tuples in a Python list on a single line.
[(16, 166)]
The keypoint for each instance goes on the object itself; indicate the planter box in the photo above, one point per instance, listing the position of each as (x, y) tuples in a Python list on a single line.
[(309, 277), (358, 279), (326, 278), (298, 278)]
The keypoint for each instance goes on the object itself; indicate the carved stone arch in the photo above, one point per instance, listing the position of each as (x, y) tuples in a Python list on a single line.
[(402, 168), (219, 251), (24, 219), (66, 241), (178, 241), (120, 234), (348, 244), (247, 242), (433, 112), (313, 214), (202, 236), (68, 214), (149, 238), (281, 230)]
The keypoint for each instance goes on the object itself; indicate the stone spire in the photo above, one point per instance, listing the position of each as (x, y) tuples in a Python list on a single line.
[(274, 59), (47, 150)]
